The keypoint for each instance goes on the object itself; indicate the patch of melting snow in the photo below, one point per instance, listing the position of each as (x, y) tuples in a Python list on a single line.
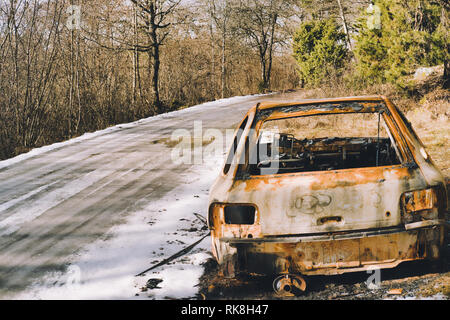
[(106, 268)]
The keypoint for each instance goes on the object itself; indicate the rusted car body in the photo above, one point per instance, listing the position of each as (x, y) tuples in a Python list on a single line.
[(326, 205)]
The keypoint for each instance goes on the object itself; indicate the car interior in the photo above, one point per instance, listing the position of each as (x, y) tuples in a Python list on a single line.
[(323, 142)]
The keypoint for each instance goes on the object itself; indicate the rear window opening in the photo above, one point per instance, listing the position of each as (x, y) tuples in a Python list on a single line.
[(237, 214), (323, 142)]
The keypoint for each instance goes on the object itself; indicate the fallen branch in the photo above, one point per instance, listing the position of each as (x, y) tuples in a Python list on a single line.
[(201, 218), (173, 257)]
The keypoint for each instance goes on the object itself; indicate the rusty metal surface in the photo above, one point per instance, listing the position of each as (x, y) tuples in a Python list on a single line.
[(339, 255), (419, 200), (291, 206)]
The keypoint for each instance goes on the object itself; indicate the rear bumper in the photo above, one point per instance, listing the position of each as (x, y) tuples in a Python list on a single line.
[(335, 253)]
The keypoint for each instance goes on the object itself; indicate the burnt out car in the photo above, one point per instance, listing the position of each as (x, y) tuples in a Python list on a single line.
[(322, 187)]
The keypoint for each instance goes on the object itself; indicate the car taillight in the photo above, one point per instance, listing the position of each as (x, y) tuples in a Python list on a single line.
[(240, 214), (419, 205)]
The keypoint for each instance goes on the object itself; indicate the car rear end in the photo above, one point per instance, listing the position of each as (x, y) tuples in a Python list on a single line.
[(326, 205)]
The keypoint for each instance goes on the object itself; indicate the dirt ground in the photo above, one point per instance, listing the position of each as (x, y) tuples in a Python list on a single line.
[(414, 280)]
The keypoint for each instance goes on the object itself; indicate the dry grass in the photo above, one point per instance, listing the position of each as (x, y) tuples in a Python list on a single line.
[(436, 285), (434, 131), (339, 125)]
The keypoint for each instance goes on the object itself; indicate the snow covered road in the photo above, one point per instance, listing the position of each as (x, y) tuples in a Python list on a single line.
[(79, 219)]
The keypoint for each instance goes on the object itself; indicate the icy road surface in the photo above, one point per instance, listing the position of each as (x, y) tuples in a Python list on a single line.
[(79, 219)]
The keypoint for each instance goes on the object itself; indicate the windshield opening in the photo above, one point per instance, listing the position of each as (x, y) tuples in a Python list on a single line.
[(323, 142)]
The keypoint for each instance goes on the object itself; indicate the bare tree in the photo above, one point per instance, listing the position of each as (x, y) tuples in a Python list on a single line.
[(344, 23), (58, 82), (137, 87), (262, 23), (74, 90), (32, 46), (155, 15), (221, 14)]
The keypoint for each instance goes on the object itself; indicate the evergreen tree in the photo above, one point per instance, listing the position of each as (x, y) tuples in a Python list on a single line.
[(320, 50), (397, 36)]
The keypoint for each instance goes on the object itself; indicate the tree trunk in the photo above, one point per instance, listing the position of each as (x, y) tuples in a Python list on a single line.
[(344, 22), (155, 79), (72, 78), (446, 74), (223, 62), (272, 36), (213, 63), (154, 58), (77, 79), (262, 60), (135, 55)]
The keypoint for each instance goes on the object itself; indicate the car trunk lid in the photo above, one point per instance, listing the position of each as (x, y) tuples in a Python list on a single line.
[(328, 201)]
